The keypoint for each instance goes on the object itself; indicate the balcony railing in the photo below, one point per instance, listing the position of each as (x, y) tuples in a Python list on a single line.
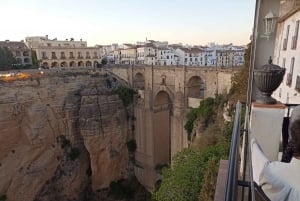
[(53, 57), (71, 57), (44, 57), (62, 57), (232, 179)]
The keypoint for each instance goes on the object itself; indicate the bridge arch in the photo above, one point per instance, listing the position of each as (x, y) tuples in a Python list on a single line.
[(162, 107), (139, 81), (195, 87)]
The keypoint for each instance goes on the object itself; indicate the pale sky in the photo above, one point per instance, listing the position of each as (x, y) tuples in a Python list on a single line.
[(103, 22)]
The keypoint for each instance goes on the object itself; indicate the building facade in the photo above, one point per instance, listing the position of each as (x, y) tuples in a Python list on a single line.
[(287, 55), (20, 51), (68, 53)]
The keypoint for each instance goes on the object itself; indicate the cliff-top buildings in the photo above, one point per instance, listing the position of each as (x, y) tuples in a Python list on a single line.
[(53, 53), (64, 53), (19, 50)]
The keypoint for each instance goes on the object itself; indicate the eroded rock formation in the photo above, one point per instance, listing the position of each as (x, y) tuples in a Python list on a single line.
[(59, 135)]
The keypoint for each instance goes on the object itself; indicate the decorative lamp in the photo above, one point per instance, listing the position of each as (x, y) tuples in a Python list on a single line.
[(269, 24), (267, 79)]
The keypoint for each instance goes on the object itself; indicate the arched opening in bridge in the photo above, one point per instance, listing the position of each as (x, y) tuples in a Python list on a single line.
[(162, 128), (195, 87), (139, 81)]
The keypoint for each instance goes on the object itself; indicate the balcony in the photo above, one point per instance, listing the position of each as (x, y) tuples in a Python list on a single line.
[(62, 57), (88, 57), (95, 57), (53, 57), (44, 57), (71, 57), (80, 57)]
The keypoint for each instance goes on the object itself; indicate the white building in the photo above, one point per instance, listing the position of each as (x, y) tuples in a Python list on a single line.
[(287, 55)]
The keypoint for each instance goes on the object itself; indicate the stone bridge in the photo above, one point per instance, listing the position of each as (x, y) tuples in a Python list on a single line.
[(165, 95)]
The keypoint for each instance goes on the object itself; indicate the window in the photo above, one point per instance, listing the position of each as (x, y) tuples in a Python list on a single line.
[(285, 41), (71, 55), (295, 37), (53, 55), (297, 87), (44, 55), (62, 55), (292, 65), (289, 76), (283, 63)]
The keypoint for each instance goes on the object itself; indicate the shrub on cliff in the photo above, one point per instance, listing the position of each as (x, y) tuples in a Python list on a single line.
[(204, 111), (125, 94), (183, 181)]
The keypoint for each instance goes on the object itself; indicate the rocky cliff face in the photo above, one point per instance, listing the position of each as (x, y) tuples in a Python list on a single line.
[(60, 134)]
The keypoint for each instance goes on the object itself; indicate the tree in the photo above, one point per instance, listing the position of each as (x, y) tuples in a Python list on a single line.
[(239, 87), (7, 59), (34, 59), (210, 181), (104, 61)]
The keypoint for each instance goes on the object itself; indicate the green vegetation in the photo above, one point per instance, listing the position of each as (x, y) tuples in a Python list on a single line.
[(184, 180), (131, 145), (3, 198), (104, 61), (240, 80), (6, 59), (64, 141), (34, 59), (205, 111), (125, 94), (74, 153), (210, 180)]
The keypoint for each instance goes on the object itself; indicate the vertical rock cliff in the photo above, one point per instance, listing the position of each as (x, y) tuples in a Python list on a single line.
[(60, 135)]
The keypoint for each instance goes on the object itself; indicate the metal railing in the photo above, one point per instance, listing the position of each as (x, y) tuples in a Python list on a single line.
[(233, 181), (232, 178)]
